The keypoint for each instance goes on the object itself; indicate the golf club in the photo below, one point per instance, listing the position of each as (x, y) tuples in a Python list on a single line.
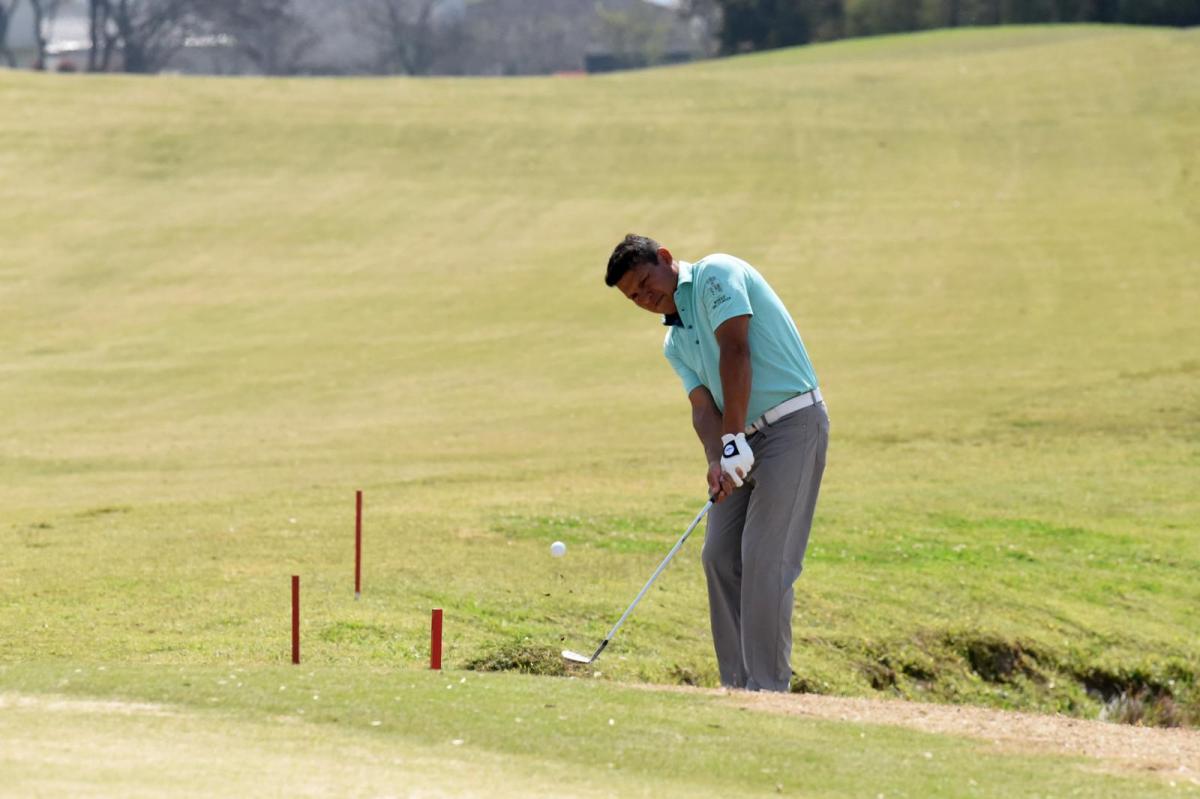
[(576, 657)]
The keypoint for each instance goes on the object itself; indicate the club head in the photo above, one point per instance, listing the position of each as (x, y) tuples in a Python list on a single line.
[(575, 657)]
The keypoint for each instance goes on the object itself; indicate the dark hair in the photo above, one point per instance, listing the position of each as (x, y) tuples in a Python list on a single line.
[(633, 251)]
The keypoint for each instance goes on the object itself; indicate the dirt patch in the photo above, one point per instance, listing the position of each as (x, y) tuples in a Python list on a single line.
[(1168, 752), (523, 657), (62, 704), (994, 659)]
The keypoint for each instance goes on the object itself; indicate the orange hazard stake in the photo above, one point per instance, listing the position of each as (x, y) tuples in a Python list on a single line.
[(435, 640), (295, 618), (357, 544)]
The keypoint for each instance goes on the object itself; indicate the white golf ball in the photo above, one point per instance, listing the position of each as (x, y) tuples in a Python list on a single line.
[(558, 549)]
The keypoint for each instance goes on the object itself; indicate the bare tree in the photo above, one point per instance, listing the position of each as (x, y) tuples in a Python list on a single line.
[(97, 27), (274, 34), (522, 37), (7, 8), (103, 37), (149, 32), (44, 12), (407, 34), (145, 33)]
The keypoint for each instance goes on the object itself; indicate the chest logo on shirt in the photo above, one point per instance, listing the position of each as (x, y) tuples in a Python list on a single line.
[(714, 294)]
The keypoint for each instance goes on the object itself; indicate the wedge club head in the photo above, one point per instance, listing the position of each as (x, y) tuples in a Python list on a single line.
[(575, 657)]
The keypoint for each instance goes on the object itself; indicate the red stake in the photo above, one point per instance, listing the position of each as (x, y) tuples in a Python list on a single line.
[(295, 618), (357, 544), (435, 640)]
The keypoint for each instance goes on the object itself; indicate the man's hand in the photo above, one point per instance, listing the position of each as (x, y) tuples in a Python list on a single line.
[(719, 484), (737, 459)]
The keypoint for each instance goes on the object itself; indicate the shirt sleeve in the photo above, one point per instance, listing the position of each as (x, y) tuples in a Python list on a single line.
[(691, 381), (723, 293)]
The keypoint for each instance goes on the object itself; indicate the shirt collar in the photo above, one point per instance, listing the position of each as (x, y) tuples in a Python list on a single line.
[(685, 276)]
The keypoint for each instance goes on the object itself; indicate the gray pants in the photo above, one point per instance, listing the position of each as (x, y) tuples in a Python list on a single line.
[(754, 551)]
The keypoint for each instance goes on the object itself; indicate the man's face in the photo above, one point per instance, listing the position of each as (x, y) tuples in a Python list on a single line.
[(651, 286)]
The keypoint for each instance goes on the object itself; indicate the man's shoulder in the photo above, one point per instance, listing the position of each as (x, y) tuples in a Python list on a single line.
[(721, 267), (719, 262), (721, 278)]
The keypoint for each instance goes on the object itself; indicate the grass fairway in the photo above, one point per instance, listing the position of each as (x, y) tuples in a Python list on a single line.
[(229, 304), (338, 731)]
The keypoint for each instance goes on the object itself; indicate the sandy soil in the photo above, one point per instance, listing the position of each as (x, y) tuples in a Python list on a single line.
[(62, 704), (1169, 752)]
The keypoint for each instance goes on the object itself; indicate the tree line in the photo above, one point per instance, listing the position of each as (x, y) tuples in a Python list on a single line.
[(413, 37), (273, 37), (747, 25), (418, 37)]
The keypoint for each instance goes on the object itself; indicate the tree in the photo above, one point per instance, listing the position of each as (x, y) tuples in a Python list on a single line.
[(706, 18), (827, 20), (274, 34), (762, 24), (1180, 13), (44, 12), (7, 8), (873, 17), (757, 24), (407, 35), (101, 50), (523, 37), (146, 33), (635, 36), (149, 32)]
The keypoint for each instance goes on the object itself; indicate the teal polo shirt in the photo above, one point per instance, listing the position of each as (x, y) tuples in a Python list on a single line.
[(717, 288)]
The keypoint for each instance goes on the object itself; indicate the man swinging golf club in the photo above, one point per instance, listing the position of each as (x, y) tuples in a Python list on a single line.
[(755, 407)]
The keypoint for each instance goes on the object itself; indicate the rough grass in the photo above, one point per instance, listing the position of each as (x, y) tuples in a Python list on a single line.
[(522, 657)]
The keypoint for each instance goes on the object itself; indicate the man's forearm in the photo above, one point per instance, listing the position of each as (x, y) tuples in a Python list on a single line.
[(735, 385), (707, 423)]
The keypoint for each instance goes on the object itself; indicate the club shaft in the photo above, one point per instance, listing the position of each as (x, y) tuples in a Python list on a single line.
[(657, 572)]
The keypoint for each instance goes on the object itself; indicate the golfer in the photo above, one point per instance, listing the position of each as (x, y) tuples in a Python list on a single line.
[(761, 420)]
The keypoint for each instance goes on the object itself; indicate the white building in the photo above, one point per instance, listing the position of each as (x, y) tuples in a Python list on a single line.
[(67, 36)]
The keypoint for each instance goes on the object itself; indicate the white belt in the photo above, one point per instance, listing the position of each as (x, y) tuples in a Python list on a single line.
[(796, 403)]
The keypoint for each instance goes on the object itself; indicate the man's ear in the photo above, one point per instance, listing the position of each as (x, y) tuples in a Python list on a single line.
[(664, 256)]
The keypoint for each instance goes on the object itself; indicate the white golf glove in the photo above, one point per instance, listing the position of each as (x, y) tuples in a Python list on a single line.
[(736, 456)]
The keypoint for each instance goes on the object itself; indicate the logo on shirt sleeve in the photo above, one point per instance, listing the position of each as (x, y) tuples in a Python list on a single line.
[(714, 293)]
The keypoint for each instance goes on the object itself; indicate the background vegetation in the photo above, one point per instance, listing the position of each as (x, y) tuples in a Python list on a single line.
[(746, 25)]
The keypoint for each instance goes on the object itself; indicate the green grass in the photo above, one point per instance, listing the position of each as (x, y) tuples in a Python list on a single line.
[(229, 304), (322, 730)]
